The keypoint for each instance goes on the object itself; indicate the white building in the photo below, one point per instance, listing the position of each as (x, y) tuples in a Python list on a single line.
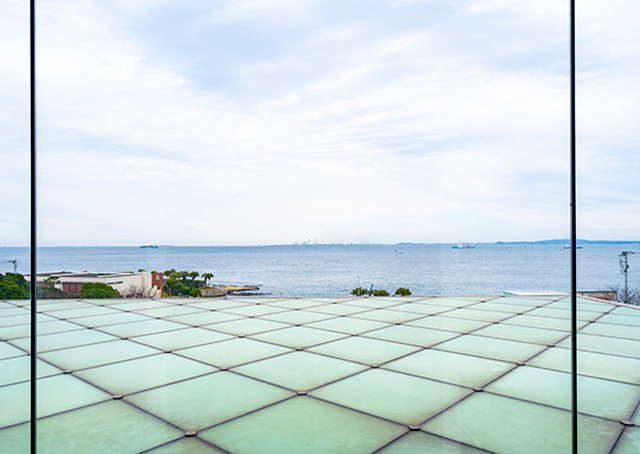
[(143, 284)]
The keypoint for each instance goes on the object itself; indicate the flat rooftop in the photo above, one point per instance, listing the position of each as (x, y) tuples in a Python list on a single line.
[(321, 375)]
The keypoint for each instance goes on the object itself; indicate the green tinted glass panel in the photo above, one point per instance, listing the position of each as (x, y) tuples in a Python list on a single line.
[(367, 351), (451, 367), (233, 352), (143, 373), (301, 425), (604, 398), (390, 395), (490, 422), (299, 336), (97, 354), (300, 371), (202, 402), (422, 443)]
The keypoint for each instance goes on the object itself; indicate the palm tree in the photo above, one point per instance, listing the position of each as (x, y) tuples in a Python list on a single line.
[(206, 277), (193, 275)]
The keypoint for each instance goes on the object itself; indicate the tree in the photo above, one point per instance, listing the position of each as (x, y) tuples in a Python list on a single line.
[(51, 281), (13, 286), (359, 291), (380, 292), (193, 275), (402, 291), (207, 277), (98, 290)]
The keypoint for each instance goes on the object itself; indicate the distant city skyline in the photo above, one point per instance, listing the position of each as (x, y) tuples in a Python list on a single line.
[(272, 121)]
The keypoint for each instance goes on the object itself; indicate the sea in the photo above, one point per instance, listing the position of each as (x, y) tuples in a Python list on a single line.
[(334, 270)]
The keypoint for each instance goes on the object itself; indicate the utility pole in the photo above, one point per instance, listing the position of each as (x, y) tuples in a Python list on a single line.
[(15, 265), (624, 269)]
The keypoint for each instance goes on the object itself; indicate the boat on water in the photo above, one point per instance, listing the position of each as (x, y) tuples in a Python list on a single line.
[(149, 246), (463, 246)]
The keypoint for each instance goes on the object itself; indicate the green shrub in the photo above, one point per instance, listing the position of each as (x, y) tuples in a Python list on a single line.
[(98, 290), (13, 287), (402, 291), (380, 292), (359, 291)]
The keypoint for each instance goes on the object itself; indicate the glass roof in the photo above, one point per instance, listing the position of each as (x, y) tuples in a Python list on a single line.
[(306, 375)]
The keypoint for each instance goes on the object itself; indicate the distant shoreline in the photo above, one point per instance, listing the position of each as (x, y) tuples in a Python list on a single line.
[(406, 243)]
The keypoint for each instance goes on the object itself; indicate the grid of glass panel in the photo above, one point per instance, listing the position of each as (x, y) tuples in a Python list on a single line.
[(445, 374)]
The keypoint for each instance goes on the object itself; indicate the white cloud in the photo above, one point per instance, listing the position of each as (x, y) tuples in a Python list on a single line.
[(353, 131)]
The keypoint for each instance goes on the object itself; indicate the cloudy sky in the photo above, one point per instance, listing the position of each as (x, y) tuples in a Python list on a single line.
[(273, 121)]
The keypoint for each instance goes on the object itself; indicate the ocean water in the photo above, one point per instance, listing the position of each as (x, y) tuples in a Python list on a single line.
[(333, 270)]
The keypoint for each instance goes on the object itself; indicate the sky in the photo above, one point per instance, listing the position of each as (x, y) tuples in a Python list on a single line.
[(276, 121)]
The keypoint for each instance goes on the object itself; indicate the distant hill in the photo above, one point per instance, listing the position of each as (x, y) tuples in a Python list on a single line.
[(568, 241)]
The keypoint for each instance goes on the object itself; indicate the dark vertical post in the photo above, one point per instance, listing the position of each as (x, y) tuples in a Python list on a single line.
[(574, 290), (33, 243)]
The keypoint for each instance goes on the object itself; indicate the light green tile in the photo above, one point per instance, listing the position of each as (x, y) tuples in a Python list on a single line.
[(172, 310), (562, 314), (504, 425), (182, 338), (114, 318), (426, 309), (593, 364), (521, 333), (493, 348), (422, 443), (66, 339), (296, 303), (84, 311), (596, 397), (363, 350), (299, 336), (625, 311), (9, 351), (610, 345), (479, 315), (605, 329), (254, 310), (629, 442), (16, 439), (450, 367), (143, 373), (297, 317), (349, 325), (141, 328), (202, 402), (457, 325), (389, 316), (23, 319), (616, 319), (376, 302), (96, 354), (398, 397), (533, 321), (300, 371), (413, 335), (247, 326), (115, 427), (340, 309), (301, 425), (186, 446), (17, 369), (233, 352), (18, 331), (501, 307), (56, 394), (205, 318)]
